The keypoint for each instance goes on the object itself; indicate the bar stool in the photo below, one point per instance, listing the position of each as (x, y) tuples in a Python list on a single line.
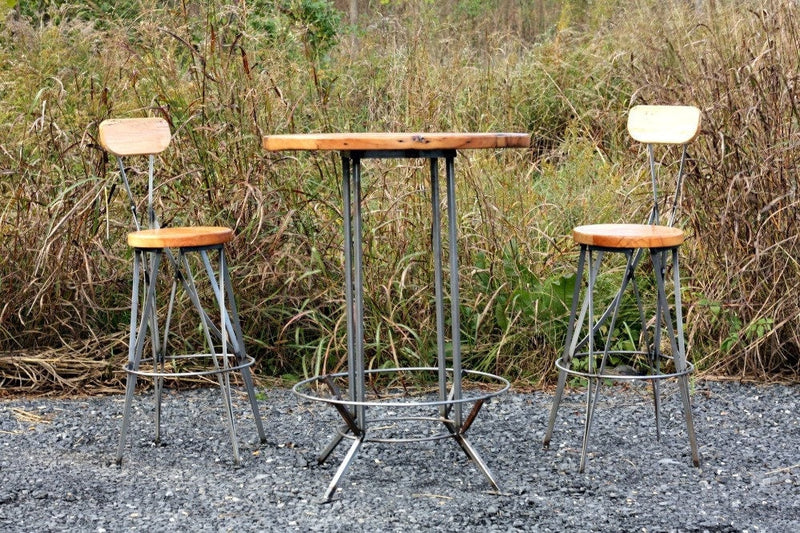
[(225, 342), (652, 125)]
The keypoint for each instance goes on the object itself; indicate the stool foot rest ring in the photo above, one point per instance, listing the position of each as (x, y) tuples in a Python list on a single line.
[(247, 362), (561, 365)]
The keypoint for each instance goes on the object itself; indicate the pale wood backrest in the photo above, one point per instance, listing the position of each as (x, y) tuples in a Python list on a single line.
[(134, 136), (664, 124)]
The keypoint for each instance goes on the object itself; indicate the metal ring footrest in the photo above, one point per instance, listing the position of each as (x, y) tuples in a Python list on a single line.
[(622, 377), (396, 397), (389, 400), (246, 362)]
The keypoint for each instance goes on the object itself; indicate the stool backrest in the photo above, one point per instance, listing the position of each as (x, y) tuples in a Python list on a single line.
[(663, 124), (136, 137)]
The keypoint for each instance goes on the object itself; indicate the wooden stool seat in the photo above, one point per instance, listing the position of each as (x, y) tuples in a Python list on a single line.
[(182, 237), (628, 236)]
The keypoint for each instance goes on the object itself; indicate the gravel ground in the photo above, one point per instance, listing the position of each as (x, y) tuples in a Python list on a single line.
[(57, 473)]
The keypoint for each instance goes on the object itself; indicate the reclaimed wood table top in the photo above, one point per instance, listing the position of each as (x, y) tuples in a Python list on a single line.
[(394, 141)]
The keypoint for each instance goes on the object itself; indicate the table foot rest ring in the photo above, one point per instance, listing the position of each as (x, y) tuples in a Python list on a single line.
[(358, 431), (303, 389)]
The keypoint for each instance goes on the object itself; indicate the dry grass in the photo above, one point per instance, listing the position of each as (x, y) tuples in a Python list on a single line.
[(223, 77), (740, 62), (72, 370)]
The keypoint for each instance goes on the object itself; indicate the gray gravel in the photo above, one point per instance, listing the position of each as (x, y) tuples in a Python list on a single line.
[(56, 470)]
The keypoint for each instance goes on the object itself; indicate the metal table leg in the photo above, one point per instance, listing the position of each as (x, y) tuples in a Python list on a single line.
[(353, 409)]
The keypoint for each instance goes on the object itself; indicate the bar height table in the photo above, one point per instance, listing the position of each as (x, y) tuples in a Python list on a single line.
[(354, 147)]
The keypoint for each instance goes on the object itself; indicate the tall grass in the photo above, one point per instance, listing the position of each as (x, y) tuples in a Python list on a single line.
[(740, 62), (224, 75)]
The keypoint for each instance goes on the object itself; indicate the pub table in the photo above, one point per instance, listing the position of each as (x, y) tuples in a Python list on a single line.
[(449, 403)]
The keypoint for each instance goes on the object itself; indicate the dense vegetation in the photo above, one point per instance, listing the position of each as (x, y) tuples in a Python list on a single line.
[(225, 73)]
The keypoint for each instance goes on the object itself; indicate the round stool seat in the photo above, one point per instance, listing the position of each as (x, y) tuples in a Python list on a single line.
[(628, 236), (182, 237)]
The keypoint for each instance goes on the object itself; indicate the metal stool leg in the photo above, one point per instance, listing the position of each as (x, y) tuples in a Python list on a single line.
[(130, 388), (158, 386), (683, 381), (678, 346), (159, 350), (247, 378), (224, 290), (138, 334), (238, 340), (130, 385), (562, 380), (225, 387), (656, 406), (650, 344), (590, 398), (662, 313), (591, 405), (573, 333), (223, 375)]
